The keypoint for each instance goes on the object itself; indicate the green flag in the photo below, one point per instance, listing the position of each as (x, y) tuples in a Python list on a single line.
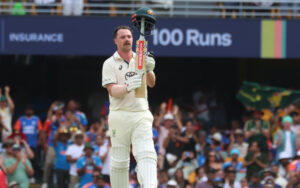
[(255, 96)]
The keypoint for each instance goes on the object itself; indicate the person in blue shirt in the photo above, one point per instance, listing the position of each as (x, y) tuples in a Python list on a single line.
[(87, 164), (234, 162), (73, 107), (98, 181), (60, 142)]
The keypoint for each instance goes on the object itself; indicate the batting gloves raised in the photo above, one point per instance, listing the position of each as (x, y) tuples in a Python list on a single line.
[(150, 63), (134, 82)]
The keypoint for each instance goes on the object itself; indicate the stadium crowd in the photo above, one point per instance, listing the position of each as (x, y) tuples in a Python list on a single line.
[(258, 150)]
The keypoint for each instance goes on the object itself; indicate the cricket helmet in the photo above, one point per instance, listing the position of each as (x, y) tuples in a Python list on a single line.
[(149, 16)]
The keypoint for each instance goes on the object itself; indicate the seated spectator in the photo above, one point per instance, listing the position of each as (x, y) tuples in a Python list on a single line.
[(18, 9), (187, 164), (201, 176), (235, 163), (179, 178), (237, 141), (268, 178), (279, 180), (244, 183), (257, 129), (74, 152), (255, 160), (98, 181), (61, 166), (201, 148), (294, 166), (285, 140), (210, 172), (163, 178), (18, 167), (73, 7), (93, 132), (213, 162), (7, 108), (87, 164), (255, 180)]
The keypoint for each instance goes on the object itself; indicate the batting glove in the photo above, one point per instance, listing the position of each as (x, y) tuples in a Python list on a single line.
[(134, 82), (150, 63)]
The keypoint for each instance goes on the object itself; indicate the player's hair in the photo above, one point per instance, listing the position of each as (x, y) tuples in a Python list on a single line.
[(121, 27)]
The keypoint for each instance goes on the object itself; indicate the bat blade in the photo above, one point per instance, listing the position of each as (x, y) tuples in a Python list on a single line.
[(141, 50)]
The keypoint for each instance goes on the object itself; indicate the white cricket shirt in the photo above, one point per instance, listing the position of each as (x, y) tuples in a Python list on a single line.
[(116, 71)]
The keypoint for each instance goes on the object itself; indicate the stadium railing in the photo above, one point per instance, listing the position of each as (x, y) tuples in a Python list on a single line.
[(171, 8)]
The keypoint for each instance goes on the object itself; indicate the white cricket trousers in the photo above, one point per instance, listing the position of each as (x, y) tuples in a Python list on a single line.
[(126, 128)]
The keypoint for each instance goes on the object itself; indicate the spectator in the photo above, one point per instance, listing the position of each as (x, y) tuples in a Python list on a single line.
[(86, 164), (93, 132), (187, 164), (173, 143), (18, 168), (20, 139), (179, 178), (235, 163), (31, 126), (201, 148), (237, 141), (60, 142), (244, 183), (74, 152), (230, 181), (213, 162), (7, 107), (255, 180), (104, 153), (98, 181), (73, 106), (285, 140), (172, 184), (279, 180), (163, 178), (255, 160), (54, 121), (73, 121), (210, 177), (201, 176), (73, 7), (268, 178), (257, 129)]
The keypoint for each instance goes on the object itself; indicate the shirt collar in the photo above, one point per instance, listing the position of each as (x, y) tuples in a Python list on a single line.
[(117, 57)]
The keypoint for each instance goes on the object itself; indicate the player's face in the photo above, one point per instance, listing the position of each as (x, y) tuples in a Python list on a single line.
[(123, 40)]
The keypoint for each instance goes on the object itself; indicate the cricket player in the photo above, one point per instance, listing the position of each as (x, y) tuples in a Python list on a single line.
[(130, 121)]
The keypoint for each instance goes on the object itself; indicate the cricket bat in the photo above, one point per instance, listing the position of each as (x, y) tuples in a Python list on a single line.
[(141, 50)]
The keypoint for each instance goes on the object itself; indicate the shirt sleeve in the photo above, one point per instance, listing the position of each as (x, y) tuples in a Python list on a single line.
[(79, 164), (108, 74)]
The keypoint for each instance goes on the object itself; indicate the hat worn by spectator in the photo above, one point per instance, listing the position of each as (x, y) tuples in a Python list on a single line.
[(171, 158), (168, 116), (17, 134), (217, 136), (235, 151), (238, 132), (3, 98), (172, 183), (287, 119), (88, 146), (16, 147), (77, 133)]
